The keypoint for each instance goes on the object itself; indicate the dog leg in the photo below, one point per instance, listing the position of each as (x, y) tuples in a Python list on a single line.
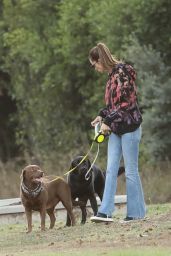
[(83, 209), (93, 203), (100, 194), (29, 219), (43, 216), (84, 214), (51, 214), (68, 205), (71, 215), (68, 222)]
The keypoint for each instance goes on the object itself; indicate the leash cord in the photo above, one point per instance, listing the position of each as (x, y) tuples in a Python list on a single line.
[(97, 129), (86, 176), (81, 160)]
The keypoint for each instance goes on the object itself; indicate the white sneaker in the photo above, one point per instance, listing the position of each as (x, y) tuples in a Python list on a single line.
[(101, 217)]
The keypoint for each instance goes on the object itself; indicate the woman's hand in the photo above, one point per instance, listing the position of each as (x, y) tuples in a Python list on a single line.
[(98, 119), (105, 128)]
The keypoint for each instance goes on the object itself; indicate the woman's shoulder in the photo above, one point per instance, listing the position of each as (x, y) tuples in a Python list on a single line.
[(125, 65), (123, 69), (126, 68)]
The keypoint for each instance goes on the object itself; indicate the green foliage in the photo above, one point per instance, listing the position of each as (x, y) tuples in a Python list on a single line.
[(44, 48), (152, 20), (155, 91)]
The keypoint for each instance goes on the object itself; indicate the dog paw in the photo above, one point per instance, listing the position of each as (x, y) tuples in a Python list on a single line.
[(67, 225), (28, 231), (43, 229), (83, 222)]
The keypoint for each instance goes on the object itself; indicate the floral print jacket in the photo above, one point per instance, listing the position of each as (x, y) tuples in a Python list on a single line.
[(121, 112)]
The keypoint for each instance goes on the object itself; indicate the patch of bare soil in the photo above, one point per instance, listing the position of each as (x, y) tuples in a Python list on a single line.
[(152, 232)]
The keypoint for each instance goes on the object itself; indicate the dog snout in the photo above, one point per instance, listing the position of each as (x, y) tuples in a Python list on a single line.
[(39, 173), (83, 169)]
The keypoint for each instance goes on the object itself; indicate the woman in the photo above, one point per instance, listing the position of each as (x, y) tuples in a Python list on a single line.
[(122, 118)]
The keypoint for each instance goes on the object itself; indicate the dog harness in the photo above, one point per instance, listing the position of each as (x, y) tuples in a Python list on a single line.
[(32, 192)]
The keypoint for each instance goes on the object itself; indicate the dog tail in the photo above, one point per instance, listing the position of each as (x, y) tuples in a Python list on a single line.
[(121, 170)]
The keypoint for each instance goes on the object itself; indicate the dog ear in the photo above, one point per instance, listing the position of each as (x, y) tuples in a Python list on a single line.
[(22, 174), (72, 165)]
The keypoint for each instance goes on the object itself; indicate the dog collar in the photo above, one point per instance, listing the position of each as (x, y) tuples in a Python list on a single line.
[(32, 192)]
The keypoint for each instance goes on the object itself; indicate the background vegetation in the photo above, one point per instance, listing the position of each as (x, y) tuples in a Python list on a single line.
[(49, 93)]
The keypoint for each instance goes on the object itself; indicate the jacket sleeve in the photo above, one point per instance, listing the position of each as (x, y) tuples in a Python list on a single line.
[(124, 95)]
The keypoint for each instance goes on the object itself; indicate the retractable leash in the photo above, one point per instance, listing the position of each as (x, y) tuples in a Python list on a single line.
[(98, 138)]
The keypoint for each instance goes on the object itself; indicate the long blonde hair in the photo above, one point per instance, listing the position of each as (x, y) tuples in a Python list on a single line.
[(102, 54)]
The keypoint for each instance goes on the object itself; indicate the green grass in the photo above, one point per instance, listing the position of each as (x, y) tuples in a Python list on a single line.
[(140, 238), (137, 252), (157, 209)]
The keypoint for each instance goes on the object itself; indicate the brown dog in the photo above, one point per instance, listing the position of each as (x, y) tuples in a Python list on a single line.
[(42, 193)]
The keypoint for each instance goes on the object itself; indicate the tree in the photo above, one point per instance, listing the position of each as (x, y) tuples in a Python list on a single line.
[(155, 91), (45, 45)]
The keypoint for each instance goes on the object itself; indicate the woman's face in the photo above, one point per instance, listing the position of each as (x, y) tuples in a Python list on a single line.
[(97, 66)]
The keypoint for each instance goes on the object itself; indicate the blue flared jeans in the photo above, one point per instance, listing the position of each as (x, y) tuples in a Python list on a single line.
[(128, 146)]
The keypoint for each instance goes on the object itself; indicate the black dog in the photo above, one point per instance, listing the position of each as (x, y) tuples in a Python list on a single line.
[(86, 187)]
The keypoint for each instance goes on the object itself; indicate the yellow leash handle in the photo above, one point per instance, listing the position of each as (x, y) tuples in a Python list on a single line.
[(81, 160)]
